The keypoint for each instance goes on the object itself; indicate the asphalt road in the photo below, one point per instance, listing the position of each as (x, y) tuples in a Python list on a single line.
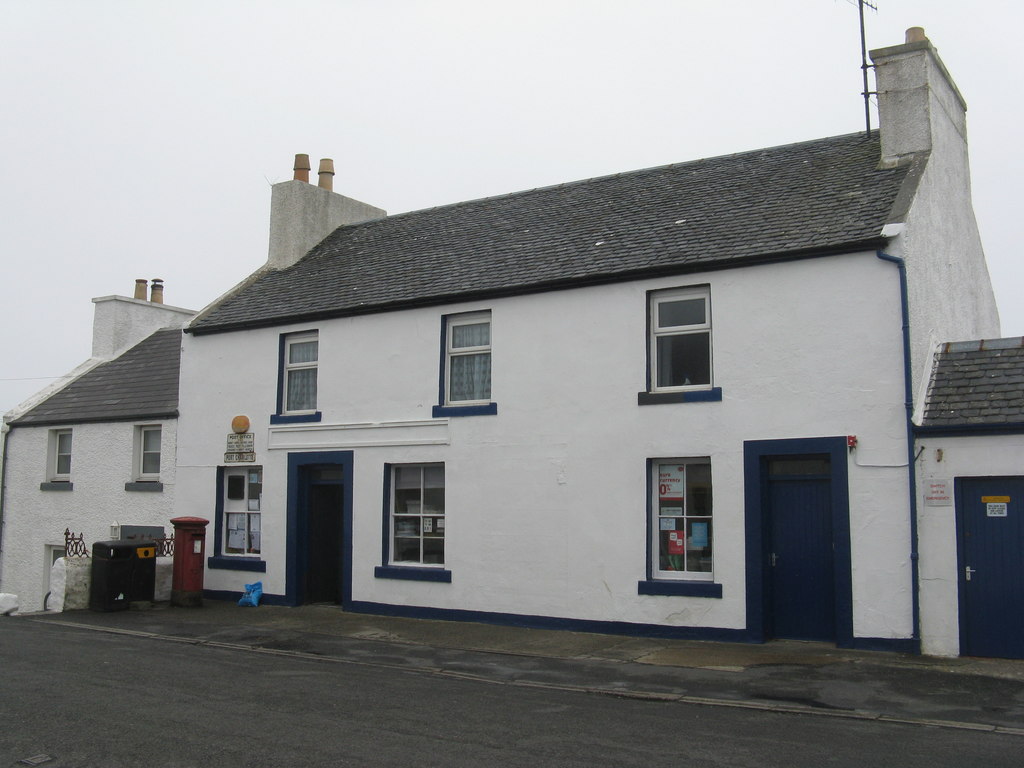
[(87, 698)]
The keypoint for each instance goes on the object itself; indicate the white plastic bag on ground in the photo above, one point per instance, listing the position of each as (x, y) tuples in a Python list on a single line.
[(8, 603)]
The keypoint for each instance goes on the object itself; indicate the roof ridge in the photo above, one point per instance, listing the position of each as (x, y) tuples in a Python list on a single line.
[(981, 345), (608, 176), (155, 361)]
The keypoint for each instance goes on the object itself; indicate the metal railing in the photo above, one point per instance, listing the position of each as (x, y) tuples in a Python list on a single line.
[(164, 547), (74, 546)]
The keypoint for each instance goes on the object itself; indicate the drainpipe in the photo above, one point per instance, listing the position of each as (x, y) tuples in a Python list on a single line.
[(911, 459), (5, 432)]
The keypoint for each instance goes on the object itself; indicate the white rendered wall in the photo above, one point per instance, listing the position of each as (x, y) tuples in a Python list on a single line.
[(545, 502), (101, 464), (988, 456)]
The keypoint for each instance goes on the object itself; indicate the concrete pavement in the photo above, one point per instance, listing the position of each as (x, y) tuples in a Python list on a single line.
[(809, 678)]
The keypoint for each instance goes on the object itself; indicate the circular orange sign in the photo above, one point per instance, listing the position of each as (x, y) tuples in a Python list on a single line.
[(240, 425)]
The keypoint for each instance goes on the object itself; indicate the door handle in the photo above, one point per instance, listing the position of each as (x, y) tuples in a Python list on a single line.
[(775, 558), (968, 571)]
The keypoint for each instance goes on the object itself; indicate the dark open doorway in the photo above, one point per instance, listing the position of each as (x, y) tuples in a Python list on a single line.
[(324, 542), (319, 546)]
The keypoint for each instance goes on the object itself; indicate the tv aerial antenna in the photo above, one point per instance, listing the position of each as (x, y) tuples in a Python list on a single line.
[(864, 66)]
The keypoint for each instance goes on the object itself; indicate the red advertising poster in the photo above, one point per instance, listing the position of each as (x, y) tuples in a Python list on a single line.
[(670, 482), (677, 542)]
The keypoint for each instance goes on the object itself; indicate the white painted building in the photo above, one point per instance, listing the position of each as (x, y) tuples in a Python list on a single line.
[(97, 448), (673, 401), (970, 461)]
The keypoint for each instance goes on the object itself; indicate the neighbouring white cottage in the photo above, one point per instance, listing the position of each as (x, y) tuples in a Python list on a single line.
[(676, 401), (95, 449), (970, 460)]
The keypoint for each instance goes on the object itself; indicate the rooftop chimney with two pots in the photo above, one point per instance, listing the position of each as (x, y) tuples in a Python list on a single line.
[(157, 290), (301, 214)]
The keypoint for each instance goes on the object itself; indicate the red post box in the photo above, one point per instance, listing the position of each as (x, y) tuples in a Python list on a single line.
[(189, 561)]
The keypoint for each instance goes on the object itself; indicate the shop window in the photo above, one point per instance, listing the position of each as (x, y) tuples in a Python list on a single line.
[(243, 493)]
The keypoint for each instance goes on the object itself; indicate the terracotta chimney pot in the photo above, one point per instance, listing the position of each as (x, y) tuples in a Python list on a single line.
[(327, 174), (140, 288), (302, 168), (157, 291), (916, 35)]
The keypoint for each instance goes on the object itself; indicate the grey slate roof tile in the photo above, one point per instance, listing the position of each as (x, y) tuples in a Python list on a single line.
[(142, 383), (809, 198), (977, 383)]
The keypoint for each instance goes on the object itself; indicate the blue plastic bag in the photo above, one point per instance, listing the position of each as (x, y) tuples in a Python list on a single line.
[(253, 593)]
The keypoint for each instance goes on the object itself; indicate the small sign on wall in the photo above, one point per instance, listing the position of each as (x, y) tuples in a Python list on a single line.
[(244, 443), (240, 447), (938, 492)]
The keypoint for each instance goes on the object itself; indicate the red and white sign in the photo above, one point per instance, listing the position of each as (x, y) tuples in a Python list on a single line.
[(671, 479), (677, 543), (937, 492)]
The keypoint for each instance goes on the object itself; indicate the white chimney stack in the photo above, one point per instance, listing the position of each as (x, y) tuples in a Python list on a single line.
[(301, 214), (120, 322), (917, 99)]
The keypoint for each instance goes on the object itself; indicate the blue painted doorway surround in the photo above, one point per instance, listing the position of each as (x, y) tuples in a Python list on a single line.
[(298, 523), (802, 517)]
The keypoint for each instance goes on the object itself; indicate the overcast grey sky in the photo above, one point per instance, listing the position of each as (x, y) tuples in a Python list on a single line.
[(140, 139)]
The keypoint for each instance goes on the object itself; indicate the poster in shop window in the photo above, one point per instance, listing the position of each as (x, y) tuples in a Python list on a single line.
[(671, 479), (700, 534), (677, 542)]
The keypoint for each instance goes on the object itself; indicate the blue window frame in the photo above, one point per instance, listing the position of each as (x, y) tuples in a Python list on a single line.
[(464, 387), (680, 538), (413, 539), (236, 536), (298, 360), (679, 347)]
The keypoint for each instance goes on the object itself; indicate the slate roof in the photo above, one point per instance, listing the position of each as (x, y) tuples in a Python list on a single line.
[(977, 384), (811, 198), (142, 383)]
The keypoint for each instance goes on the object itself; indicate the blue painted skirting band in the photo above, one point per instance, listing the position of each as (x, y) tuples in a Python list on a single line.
[(889, 645), (551, 622), (231, 595)]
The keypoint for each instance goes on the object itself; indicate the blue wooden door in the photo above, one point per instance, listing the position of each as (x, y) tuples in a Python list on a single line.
[(800, 557), (990, 523)]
